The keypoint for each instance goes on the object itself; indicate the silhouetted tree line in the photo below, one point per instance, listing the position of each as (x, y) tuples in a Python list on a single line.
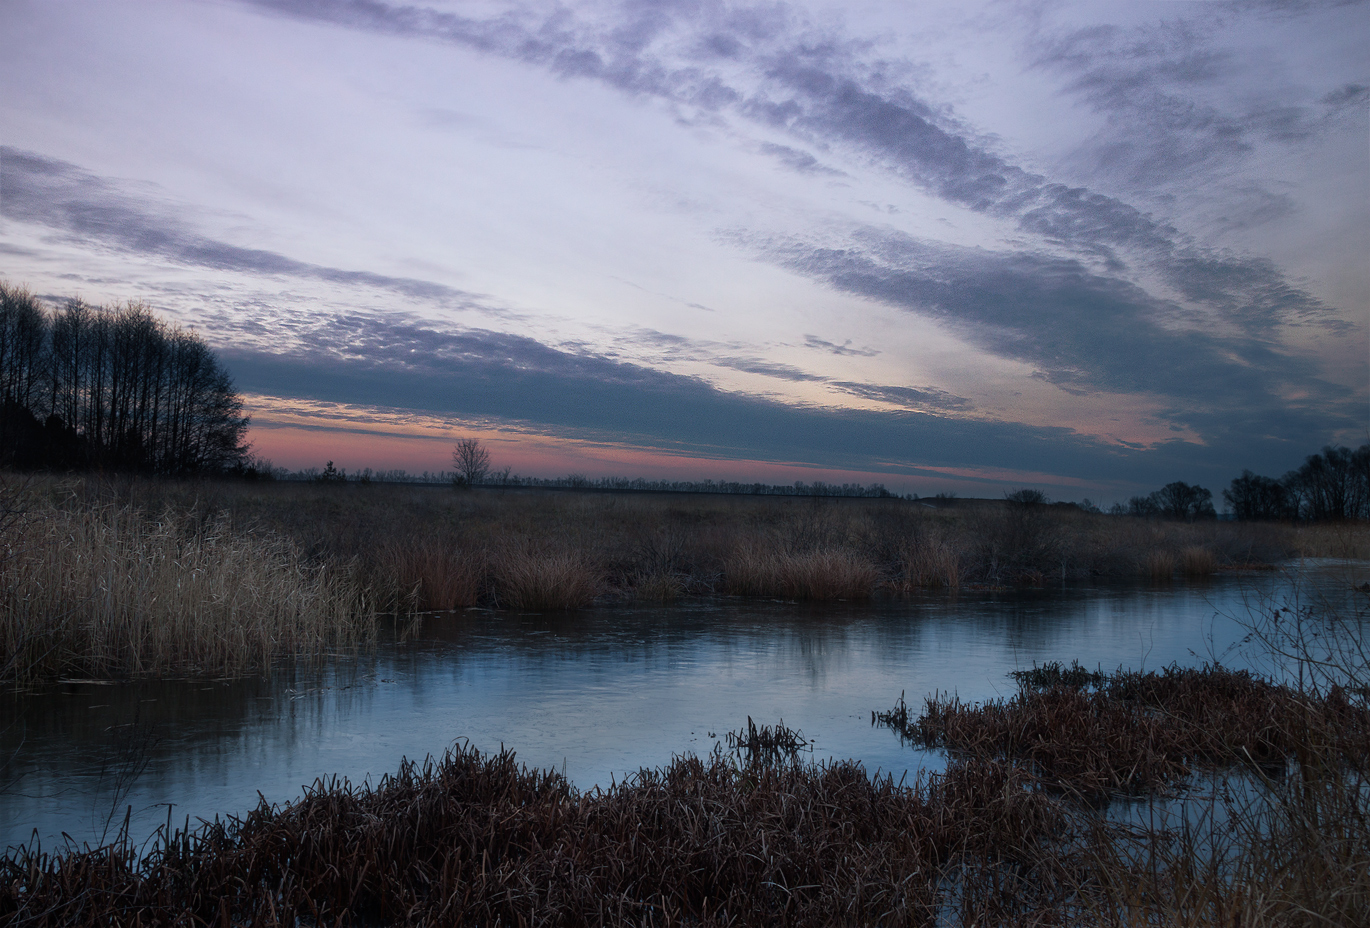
[(798, 488), (88, 387), (1178, 500), (1330, 486), (505, 478)]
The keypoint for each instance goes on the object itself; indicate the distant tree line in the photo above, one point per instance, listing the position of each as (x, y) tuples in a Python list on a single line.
[(89, 387), (1329, 486), (581, 482), (1332, 485), (798, 488), (471, 462), (1178, 500)]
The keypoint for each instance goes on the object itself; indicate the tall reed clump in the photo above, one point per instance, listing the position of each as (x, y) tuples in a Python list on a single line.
[(109, 590), (1159, 566), (426, 573), (538, 579), (1197, 561), (929, 562), (821, 574)]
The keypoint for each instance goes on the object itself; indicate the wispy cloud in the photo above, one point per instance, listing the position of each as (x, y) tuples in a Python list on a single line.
[(926, 399), (372, 360), (797, 160), (766, 64), (68, 199), (1083, 331), (844, 350), (1160, 86)]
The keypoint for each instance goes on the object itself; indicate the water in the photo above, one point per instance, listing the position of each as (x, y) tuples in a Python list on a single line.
[(597, 694)]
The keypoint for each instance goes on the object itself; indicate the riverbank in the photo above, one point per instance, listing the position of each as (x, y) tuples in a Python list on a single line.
[(1003, 835), (94, 568)]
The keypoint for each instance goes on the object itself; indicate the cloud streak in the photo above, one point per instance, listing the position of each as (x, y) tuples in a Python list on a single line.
[(765, 64), (408, 364), (1083, 331), (62, 196), (1160, 87)]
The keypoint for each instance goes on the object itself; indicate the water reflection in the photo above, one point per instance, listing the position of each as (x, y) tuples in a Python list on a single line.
[(599, 693)]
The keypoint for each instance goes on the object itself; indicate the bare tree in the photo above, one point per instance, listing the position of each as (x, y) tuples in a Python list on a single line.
[(1026, 499), (1179, 500), (471, 462)]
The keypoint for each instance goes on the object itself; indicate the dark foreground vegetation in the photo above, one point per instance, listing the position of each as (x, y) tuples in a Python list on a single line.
[(139, 576), (1033, 822)]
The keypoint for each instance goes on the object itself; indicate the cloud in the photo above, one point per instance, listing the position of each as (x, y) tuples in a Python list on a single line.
[(768, 369), (1164, 89), (1347, 95), (844, 350), (404, 363), (926, 398), (1088, 332), (1083, 330), (778, 70), (62, 196), (800, 161)]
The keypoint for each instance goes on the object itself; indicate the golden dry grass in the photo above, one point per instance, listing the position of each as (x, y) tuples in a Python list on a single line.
[(531, 579), (1335, 539), (1197, 561), (109, 590), (1159, 566), (824, 574)]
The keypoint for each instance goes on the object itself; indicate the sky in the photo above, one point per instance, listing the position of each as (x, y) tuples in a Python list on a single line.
[(1089, 247)]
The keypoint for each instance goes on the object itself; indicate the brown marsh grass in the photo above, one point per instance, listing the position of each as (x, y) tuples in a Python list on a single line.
[(532, 578), (407, 549), (1333, 539), (1159, 566), (427, 573), (106, 590), (449, 543), (657, 587), (824, 574), (1197, 561), (1132, 732), (929, 561), (478, 839), (1276, 832)]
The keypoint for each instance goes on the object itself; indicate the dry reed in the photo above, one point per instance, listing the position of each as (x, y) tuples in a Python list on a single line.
[(1133, 732), (1159, 566), (109, 590), (540, 580), (930, 563), (762, 744), (825, 574), (422, 547), (475, 839), (427, 573), (658, 587), (1197, 561)]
